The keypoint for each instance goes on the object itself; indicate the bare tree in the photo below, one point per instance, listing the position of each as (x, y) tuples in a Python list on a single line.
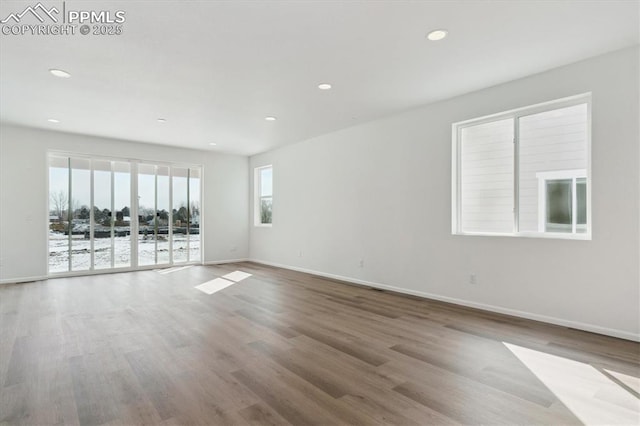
[(59, 203), (195, 208)]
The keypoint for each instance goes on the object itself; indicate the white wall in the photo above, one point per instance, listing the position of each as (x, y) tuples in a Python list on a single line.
[(24, 195), (381, 192)]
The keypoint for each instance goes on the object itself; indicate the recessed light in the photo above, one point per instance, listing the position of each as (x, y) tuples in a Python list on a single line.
[(213, 143), (437, 35), (270, 118), (59, 73), (324, 86), (162, 120), (53, 120)]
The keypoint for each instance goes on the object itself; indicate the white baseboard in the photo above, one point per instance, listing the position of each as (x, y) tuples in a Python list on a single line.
[(221, 262), (492, 308), (22, 279)]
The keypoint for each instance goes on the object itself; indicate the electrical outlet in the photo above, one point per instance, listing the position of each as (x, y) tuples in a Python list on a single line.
[(473, 280), (300, 253), (361, 263), (233, 249)]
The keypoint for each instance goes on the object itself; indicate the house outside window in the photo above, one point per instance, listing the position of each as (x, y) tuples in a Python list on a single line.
[(524, 172)]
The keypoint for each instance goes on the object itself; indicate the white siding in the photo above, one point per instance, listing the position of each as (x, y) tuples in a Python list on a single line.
[(487, 177), (549, 141)]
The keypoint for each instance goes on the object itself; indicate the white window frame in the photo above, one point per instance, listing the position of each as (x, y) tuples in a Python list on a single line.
[(133, 162), (515, 115), (257, 190)]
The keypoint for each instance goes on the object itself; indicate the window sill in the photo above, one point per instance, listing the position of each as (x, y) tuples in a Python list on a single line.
[(263, 225), (546, 236)]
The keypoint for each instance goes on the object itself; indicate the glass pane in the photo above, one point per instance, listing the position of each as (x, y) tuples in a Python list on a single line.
[(58, 214), (163, 215), (581, 201), (194, 215), (552, 141), (105, 207), (266, 206), (180, 214), (122, 224), (486, 160), (266, 182), (102, 215), (81, 214), (146, 214), (559, 212)]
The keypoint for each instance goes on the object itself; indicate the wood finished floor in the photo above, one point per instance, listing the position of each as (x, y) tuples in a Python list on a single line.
[(284, 347)]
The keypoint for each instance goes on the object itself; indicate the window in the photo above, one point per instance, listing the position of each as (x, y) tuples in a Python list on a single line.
[(264, 196), (562, 201), (525, 172), (112, 214)]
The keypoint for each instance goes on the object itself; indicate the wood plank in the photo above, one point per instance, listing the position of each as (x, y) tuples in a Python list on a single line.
[(284, 347)]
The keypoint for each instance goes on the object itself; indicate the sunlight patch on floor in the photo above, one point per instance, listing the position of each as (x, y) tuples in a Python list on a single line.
[(214, 286), (590, 395), (218, 284), (630, 381), (236, 276)]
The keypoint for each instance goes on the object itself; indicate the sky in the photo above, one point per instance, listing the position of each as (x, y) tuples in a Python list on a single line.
[(266, 181), (81, 188)]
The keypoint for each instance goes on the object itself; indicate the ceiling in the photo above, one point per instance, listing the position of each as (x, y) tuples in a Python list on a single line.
[(215, 70)]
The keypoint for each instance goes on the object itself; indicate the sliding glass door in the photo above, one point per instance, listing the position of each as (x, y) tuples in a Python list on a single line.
[(163, 215), (186, 214), (59, 220), (154, 246), (147, 223), (95, 223), (194, 214), (122, 217), (180, 235), (103, 218)]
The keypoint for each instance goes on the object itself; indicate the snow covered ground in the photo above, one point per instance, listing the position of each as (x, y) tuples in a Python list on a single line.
[(81, 251)]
